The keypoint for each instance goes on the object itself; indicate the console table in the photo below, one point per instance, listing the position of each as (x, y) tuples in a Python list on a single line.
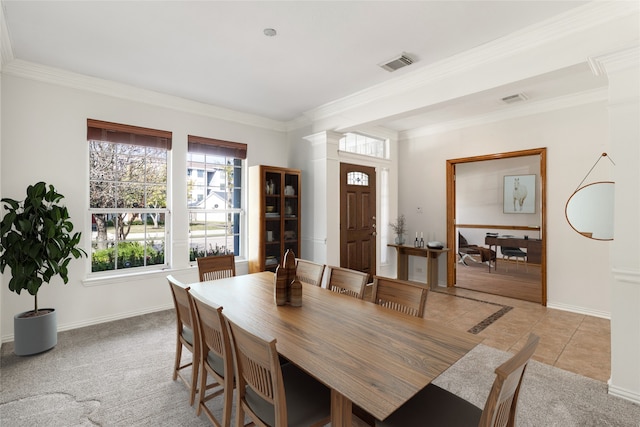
[(533, 246), (432, 255)]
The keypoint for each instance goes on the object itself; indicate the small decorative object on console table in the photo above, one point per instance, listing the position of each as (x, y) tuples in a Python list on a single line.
[(399, 228)]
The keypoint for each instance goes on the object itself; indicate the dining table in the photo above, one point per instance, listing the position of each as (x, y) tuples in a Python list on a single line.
[(368, 355)]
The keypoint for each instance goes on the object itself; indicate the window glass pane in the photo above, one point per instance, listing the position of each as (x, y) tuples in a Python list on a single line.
[(358, 178), (362, 144), (126, 240)]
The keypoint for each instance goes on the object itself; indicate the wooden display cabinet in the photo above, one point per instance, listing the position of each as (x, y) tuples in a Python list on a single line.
[(274, 216)]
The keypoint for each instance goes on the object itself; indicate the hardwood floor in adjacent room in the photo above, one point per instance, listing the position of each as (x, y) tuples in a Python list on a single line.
[(515, 281)]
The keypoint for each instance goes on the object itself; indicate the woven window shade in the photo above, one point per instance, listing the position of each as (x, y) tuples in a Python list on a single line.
[(125, 134), (217, 147)]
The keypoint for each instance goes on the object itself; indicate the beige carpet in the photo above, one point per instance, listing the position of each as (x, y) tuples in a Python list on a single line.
[(119, 374)]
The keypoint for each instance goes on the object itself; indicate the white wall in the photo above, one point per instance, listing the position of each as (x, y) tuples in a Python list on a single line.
[(578, 269), (44, 138)]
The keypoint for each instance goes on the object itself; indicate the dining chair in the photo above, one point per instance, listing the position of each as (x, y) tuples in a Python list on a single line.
[(436, 406), (309, 272), (400, 295), (216, 267), (216, 361), (187, 335), (347, 281), (269, 393)]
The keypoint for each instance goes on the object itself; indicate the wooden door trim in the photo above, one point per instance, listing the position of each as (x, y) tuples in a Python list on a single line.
[(451, 209)]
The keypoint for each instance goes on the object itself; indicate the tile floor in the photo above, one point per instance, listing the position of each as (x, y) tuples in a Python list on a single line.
[(570, 341)]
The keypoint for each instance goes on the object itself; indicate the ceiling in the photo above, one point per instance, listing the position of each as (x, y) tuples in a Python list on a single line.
[(215, 52)]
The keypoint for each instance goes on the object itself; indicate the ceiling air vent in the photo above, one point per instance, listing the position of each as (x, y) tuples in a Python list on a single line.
[(514, 98), (396, 63)]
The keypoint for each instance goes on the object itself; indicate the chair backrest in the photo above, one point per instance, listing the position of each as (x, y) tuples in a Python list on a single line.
[(183, 305), (257, 366), (462, 242), (216, 267), (347, 281), (500, 408), (214, 334), (309, 272), (512, 251), (400, 295)]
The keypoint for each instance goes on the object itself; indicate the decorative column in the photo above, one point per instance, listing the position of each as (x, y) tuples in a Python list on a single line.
[(326, 196), (623, 71)]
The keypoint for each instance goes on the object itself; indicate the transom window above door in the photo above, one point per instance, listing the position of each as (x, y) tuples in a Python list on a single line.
[(365, 145)]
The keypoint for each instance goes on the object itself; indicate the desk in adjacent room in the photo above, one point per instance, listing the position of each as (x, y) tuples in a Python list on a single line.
[(533, 246), (432, 262)]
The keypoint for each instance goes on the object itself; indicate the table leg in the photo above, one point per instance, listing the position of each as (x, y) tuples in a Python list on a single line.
[(403, 266), (432, 270), (340, 410)]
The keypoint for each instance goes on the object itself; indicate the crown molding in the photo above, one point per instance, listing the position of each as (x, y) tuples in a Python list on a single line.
[(577, 20), (297, 123), (33, 71), (616, 61), (559, 103)]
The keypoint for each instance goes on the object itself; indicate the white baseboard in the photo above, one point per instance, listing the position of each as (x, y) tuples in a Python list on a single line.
[(104, 319), (579, 310), (624, 394)]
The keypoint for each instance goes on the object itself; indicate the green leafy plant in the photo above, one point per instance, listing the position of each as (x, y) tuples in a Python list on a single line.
[(36, 240)]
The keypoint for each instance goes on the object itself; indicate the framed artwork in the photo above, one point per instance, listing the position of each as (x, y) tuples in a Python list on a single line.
[(519, 194)]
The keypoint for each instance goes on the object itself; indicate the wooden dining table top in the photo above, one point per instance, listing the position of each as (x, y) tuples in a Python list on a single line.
[(367, 354)]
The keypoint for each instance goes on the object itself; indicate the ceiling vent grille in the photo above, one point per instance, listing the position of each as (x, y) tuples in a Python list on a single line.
[(514, 98), (397, 63)]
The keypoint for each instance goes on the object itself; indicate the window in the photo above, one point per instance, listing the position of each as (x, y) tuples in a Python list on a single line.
[(128, 195), (365, 145), (214, 196), (358, 178)]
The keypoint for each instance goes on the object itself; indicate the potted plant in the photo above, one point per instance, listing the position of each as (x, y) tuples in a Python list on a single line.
[(37, 244), (399, 227)]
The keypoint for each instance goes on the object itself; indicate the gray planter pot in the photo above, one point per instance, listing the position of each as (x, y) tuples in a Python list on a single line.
[(34, 335)]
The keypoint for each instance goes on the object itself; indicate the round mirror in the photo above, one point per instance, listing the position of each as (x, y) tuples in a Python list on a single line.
[(589, 210)]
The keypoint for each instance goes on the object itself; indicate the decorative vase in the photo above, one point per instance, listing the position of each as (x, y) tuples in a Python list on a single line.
[(33, 335), (399, 239)]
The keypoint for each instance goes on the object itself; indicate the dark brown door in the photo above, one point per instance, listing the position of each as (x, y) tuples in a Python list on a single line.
[(357, 218)]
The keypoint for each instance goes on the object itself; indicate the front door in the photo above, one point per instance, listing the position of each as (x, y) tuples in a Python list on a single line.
[(357, 218)]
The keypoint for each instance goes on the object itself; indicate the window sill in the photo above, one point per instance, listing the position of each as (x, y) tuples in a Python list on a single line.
[(118, 278)]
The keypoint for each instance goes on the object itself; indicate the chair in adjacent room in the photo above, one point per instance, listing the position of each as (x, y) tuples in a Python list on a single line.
[(400, 295), (512, 252), (216, 267), (436, 406), (467, 251), (187, 335), (309, 272), (271, 394), (347, 281), (216, 361)]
